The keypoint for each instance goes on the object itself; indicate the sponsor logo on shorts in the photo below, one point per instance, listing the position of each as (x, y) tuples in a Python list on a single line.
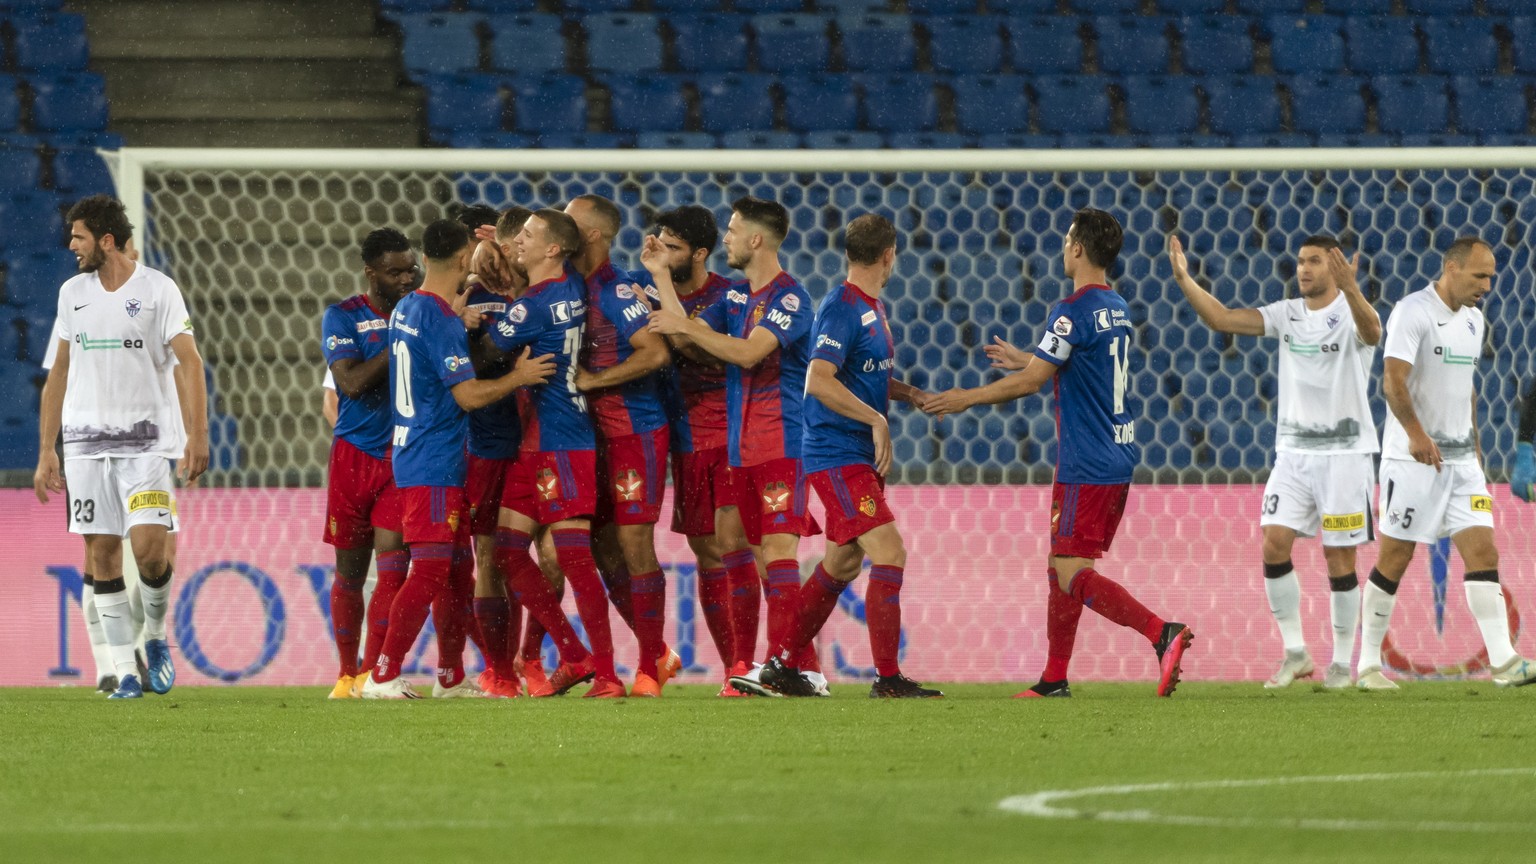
[(776, 497), (867, 506), (519, 314), (1343, 522), (791, 302), (1482, 504), (149, 500), (134, 307), (629, 485), (548, 484)]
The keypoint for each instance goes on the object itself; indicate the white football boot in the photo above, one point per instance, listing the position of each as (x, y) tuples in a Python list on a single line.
[(1297, 664), (1370, 678)]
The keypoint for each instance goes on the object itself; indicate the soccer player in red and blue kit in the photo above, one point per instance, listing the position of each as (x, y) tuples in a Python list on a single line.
[(762, 330), (1086, 349), (433, 385), (620, 358), (362, 504), (554, 482), (847, 453)]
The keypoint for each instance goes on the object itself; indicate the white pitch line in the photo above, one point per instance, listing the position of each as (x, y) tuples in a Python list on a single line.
[(1042, 805)]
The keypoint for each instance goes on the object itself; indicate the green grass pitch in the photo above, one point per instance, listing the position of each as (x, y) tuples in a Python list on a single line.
[(280, 774)]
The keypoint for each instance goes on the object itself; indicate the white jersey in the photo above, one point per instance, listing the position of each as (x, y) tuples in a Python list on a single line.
[(1444, 348), (1325, 369), (120, 397)]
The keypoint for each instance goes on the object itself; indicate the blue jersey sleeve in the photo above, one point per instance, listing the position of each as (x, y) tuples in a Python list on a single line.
[(836, 329), (449, 347), (515, 328), (628, 308), (789, 317), (338, 337), (1062, 334), (716, 316)]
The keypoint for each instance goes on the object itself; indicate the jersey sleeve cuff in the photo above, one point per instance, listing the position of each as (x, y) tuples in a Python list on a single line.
[(342, 354), (830, 356)]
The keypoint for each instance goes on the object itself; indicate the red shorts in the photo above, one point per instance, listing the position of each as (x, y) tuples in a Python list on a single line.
[(552, 486), (361, 496), (701, 484), (435, 514), (854, 496), (1084, 518), (633, 472), (771, 497), (482, 486)]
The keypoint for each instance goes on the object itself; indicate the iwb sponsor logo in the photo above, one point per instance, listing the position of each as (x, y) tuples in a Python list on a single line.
[(778, 317), (636, 311)]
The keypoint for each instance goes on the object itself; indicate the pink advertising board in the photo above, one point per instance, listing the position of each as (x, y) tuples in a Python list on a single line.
[(252, 590)]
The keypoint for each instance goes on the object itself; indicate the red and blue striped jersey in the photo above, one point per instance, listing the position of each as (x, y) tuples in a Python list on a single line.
[(428, 357), (852, 334), (354, 330), (695, 392), (550, 317), (763, 404), (617, 309), (495, 432)]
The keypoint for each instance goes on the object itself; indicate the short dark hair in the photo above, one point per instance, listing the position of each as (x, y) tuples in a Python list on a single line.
[(102, 215), (444, 239), (381, 242), (1321, 241), (1461, 248), (474, 216), (1099, 234), (511, 221), (562, 229), (607, 211), (769, 214), (867, 238), (695, 225)]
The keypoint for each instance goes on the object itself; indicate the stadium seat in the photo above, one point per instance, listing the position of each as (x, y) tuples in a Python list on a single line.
[(52, 44), (646, 103), (396, 8), (490, 140), (10, 104), (1271, 7), (842, 140), (1507, 7), (854, 8), (1045, 45), (761, 141), (820, 102), (555, 104), (462, 104), (791, 43), (623, 42), (970, 45), (1411, 104), (1161, 105), (1380, 45), (81, 173), (1440, 7), (1072, 103), (731, 103), (527, 44), (1132, 46), (1358, 7), (676, 141), (16, 9), (941, 7), (584, 140), (1270, 142), (878, 43), (20, 170), (1493, 105), (1246, 105), (1460, 46), (1217, 46), (1105, 7), (990, 104), (501, 7), (1305, 43), (440, 44), (20, 378), (760, 7), (1191, 7), (926, 141), (1326, 105), (1017, 141), (32, 280), (709, 42), (69, 103), (1023, 7), (899, 103)]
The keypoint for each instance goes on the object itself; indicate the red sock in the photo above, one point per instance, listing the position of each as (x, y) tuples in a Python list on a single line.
[(882, 612), (347, 621), (533, 636), (1106, 597), (457, 601), (1061, 617), (392, 567), (783, 599), (746, 603), (513, 640), (535, 594), (714, 602), (431, 568), (818, 597), (621, 595), (649, 591), (493, 614), (573, 546)]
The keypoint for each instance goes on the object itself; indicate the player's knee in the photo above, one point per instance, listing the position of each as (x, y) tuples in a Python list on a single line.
[(154, 570)]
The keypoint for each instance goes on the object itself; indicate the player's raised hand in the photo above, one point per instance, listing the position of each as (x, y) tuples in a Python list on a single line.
[(1005, 355), (47, 478), (1345, 271), (650, 255), (1176, 258), (1522, 480), (1424, 449), (667, 323), (531, 370), (949, 402), (194, 460)]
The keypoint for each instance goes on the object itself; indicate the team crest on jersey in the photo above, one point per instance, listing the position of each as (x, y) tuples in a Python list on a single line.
[(548, 484), (776, 497), (1333, 320), (867, 506), (791, 302), (1063, 326), (333, 526), (1471, 327), (453, 521), (629, 485), (519, 314), (134, 307), (757, 314)]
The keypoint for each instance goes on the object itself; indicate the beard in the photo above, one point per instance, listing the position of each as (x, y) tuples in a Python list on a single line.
[(682, 274), (92, 262)]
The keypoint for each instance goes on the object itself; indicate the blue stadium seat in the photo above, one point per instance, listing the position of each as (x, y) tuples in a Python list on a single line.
[(1072, 103), (1305, 43), (584, 140), (843, 140), (462, 104), (1358, 7), (1132, 46), (1023, 7), (578, 10), (709, 42), (1423, 139), (1411, 105), (731, 102), (10, 104), (527, 44), (1245, 105), (69, 103), (1494, 105), (1270, 142), (676, 141), (20, 170), (688, 6), (1380, 44), (623, 42), (1461, 46), (878, 43), (440, 44), (1161, 105), (1440, 7), (81, 173), (899, 103), (926, 141), (1217, 46), (20, 379), (1507, 7), (1522, 38), (646, 103), (972, 44), (15, 9), (489, 140), (1017, 141), (1191, 7), (761, 141), (791, 43), (990, 104), (1271, 7), (555, 104), (1326, 105), (941, 7), (396, 8), (501, 7), (32, 280), (820, 102), (53, 44), (1045, 45), (1105, 7), (759, 7)]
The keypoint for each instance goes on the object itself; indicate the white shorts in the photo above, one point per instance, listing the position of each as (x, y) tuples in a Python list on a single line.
[(1332, 492), (1422, 505), (109, 495)]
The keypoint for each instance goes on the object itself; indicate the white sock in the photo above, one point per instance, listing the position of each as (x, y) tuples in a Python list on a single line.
[(1375, 617), (113, 609), (157, 601), (1486, 601), (1344, 611), (93, 631), (136, 607), (1284, 595)]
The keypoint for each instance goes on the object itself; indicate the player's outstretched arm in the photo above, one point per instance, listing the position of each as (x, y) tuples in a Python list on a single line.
[(192, 393), (1345, 275), (901, 391), (1006, 389), (1006, 355), (745, 353), (1394, 385), (355, 377), (48, 478), (651, 353), (1522, 480), (821, 382), (1215, 314), (476, 393)]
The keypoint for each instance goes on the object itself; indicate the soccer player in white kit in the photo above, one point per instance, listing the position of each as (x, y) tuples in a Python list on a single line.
[(123, 329), (1432, 481), (1324, 443)]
